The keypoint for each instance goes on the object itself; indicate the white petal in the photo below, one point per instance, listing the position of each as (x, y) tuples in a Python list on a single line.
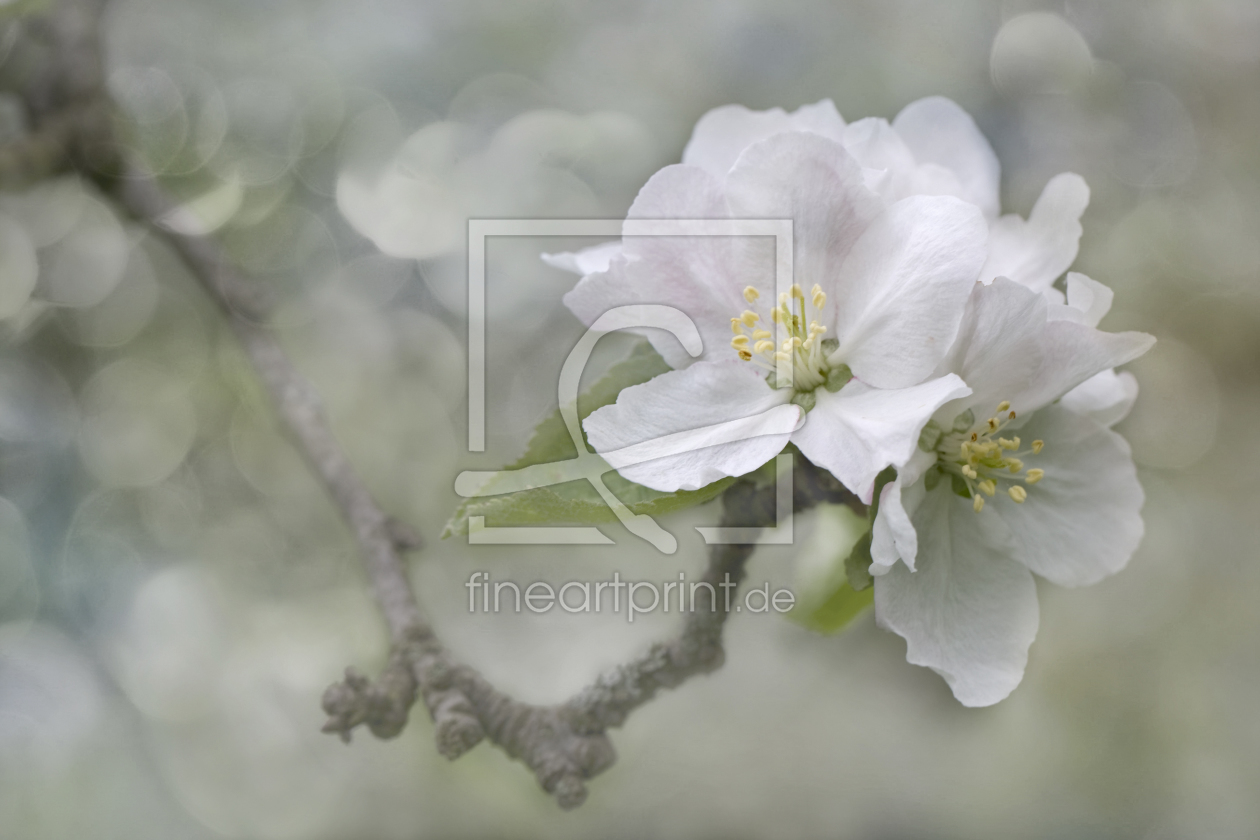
[(900, 295), (889, 165), (1036, 252), (1082, 522), (685, 404), (1072, 353), (969, 612), (819, 186), (587, 261), (1105, 397), (703, 276), (858, 431), (999, 348), (893, 536), (723, 133), (1087, 300), (938, 131)]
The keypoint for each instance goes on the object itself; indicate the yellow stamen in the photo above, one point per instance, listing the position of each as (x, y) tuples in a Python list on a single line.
[(993, 424), (819, 299), (1002, 406), (977, 503), (1035, 475), (749, 317), (1014, 465), (1036, 446), (763, 346), (737, 326), (1018, 494), (988, 486), (744, 355), (796, 291), (760, 334), (969, 471), (751, 294), (739, 342)]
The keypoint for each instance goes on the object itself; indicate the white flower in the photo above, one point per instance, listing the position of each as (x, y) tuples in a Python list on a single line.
[(932, 147), (887, 285), (1021, 476)]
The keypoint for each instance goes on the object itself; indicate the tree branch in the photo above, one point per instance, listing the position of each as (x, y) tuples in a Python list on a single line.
[(565, 744)]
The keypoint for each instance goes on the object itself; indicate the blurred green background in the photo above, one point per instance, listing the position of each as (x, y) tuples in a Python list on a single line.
[(176, 591)]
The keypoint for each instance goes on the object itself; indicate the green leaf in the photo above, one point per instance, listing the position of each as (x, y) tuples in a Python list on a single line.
[(826, 601), (577, 502), (844, 605)]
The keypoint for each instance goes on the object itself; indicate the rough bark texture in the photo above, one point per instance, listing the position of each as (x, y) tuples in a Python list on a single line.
[(564, 745)]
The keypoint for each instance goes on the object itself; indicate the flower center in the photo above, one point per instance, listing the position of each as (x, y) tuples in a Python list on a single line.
[(977, 459), (803, 351)]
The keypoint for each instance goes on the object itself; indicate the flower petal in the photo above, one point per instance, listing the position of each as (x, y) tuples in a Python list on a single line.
[(1081, 522), (900, 294), (723, 133), (819, 186), (704, 276), (968, 612), (998, 349), (1105, 397), (893, 536), (858, 431), (1087, 300), (682, 407), (588, 260), (1036, 252), (1072, 353), (938, 131)]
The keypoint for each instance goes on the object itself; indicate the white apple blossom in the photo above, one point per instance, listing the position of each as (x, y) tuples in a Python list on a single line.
[(887, 284), (1021, 476), (932, 147)]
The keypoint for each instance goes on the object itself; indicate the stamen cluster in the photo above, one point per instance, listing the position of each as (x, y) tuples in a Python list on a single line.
[(977, 459), (803, 348)]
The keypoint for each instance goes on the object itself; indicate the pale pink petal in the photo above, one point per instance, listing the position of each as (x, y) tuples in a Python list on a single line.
[(689, 413), (1036, 252), (900, 294), (938, 131), (723, 133), (858, 431)]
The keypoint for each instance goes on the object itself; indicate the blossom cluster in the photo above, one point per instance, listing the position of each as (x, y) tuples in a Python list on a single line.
[(925, 331)]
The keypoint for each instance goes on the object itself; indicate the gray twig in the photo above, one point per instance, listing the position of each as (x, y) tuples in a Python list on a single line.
[(564, 745)]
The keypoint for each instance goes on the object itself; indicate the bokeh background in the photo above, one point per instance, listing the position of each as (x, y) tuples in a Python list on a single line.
[(176, 591)]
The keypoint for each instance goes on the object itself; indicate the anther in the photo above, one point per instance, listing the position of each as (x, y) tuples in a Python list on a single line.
[(977, 503), (1002, 406), (751, 294), (1018, 494), (989, 486), (737, 326), (1036, 446), (739, 342), (760, 334), (749, 317), (1035, 475)]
